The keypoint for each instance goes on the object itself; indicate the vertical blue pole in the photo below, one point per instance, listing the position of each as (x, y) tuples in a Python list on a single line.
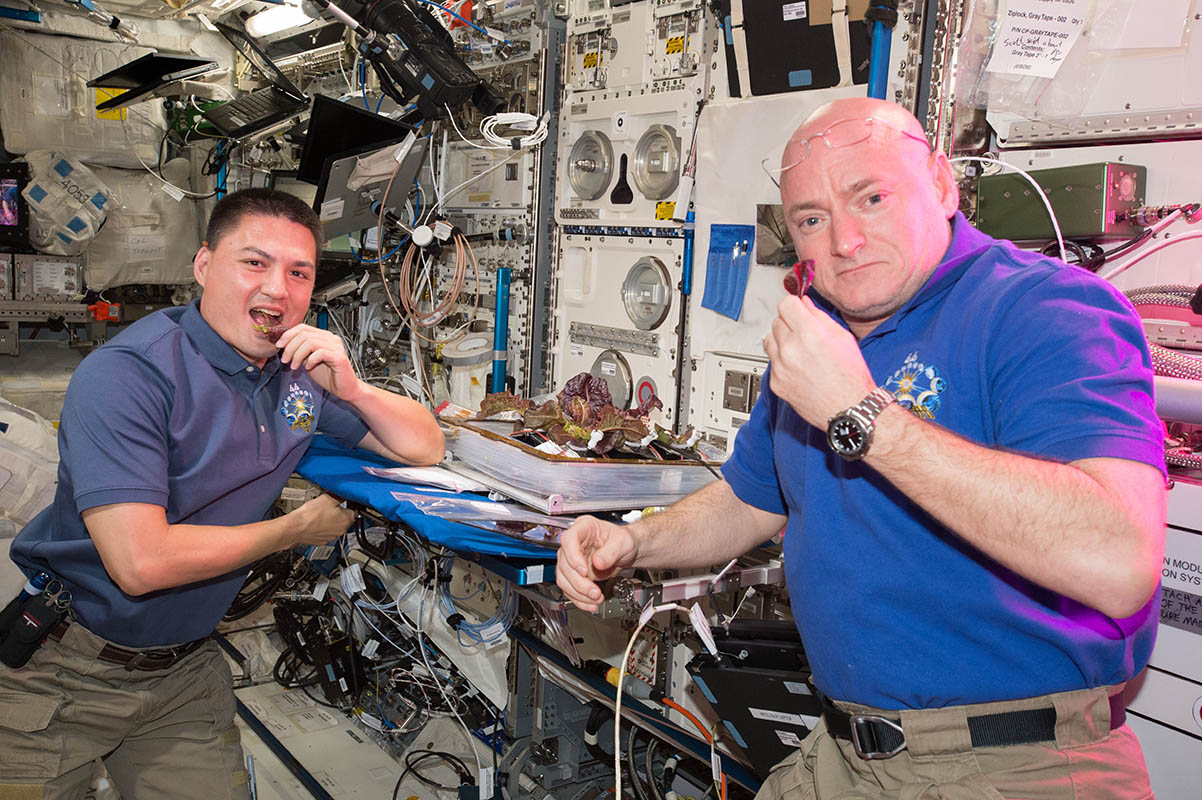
[(500, 342), (686, 272), (878, 61), (222, 173), (323, 319)]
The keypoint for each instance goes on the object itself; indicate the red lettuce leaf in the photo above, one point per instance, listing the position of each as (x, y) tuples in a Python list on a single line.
[(593, 391), (498, 402), (645, 408), (543, 417)]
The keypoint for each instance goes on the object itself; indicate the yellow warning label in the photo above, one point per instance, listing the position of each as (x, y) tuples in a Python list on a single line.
[(675, 45), (590, 60), (665, 210), (109, 94)]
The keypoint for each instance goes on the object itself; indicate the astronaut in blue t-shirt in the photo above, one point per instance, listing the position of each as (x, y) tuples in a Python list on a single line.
[(959, 441), (176, 438)]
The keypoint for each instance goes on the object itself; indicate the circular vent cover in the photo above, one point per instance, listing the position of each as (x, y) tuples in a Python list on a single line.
[(657, 162), (647, 293), (590, 165)]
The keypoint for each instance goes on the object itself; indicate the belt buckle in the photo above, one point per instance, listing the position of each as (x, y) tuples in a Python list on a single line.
[(859, 723), (136, 661)]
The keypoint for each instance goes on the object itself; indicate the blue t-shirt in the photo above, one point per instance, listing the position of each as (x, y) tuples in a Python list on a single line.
[(1005, 348), (168, 413)]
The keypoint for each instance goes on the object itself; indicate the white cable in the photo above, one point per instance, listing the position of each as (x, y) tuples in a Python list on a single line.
[(421, 625), (648, 612), (133, 149), (1149, 251), (342, 68), (518, 120), (1038, 190), (440, 193), (367, 619), (419, 372), (228, 93), (347, 342), (507, 119)]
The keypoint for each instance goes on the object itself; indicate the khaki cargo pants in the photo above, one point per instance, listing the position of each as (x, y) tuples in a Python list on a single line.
[(163, 734), (1088, 761)]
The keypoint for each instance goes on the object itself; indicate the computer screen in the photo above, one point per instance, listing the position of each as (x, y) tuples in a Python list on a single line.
[(153, 68), (9, 210), (337, 127)]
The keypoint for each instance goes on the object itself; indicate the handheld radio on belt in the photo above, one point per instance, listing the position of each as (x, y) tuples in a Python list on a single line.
[(28, 619)]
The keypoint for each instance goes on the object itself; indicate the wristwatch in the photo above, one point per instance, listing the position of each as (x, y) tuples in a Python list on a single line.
[(849, 433)]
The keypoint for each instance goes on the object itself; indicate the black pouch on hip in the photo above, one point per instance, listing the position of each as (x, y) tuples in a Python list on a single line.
[(26, 629), (9, 615)]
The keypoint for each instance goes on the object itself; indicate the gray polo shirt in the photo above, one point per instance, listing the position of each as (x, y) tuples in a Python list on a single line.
[(168, 413)]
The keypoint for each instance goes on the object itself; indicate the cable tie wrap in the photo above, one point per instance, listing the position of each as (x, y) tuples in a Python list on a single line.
[(882, 11)]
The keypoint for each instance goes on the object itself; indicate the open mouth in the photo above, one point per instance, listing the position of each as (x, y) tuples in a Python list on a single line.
[(267, 322)]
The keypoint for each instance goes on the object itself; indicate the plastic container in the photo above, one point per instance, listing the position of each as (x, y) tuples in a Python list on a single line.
[(470, 360), (564, 485)]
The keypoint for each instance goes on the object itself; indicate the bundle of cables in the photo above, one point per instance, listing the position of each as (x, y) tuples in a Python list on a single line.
[(490, 631), (411, 285), (524, 130), (268, 575)]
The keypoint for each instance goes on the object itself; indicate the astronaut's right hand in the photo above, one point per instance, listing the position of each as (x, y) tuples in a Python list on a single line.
[(320, 520), (589, 552)]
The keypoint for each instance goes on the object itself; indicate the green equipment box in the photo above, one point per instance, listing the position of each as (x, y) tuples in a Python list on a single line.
[(1090, 201)]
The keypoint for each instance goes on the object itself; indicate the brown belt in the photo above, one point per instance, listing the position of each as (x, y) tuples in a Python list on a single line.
[(147, 660)]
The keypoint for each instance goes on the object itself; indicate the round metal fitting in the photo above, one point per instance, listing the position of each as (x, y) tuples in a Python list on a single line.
[(590, 165)]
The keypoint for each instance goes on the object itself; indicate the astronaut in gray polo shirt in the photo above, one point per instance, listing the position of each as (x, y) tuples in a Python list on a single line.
[(176, 438)]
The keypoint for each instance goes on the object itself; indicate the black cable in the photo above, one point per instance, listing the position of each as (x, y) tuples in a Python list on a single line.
[(690, 455), (631, 770), (592, 730), (321, 702), (1127, 245), (657, 792), (498, 736), (1084, 254), (264, 579), (411, 766), (287, 673), (158, 169)]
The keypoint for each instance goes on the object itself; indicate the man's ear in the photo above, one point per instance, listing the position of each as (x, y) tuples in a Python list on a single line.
[(946, 188), (200, 263)]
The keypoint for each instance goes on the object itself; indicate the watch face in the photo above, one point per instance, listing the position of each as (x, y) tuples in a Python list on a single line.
[(846, 435)]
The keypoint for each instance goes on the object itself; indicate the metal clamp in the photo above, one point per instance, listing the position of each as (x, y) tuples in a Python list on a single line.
[(861, 727)]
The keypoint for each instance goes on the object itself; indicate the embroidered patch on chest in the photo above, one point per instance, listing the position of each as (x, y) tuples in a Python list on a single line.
[(297, 408), (918, 387)]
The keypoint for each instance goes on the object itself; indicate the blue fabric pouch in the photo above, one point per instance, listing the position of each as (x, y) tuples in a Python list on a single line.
[(726, 268)]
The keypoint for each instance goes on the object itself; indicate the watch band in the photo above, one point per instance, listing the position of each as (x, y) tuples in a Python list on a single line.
[(863, 415), (876, 402)]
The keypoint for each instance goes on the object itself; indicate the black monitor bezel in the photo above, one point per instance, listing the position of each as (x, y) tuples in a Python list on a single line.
[(308, 169), (15, 238)]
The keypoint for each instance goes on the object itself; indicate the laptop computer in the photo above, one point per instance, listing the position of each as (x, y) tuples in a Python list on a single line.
[(261, 108), (147, 74)]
